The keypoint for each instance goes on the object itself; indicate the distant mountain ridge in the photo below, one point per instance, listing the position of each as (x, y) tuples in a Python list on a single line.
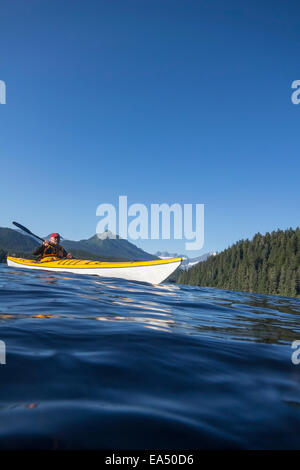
[(187, 262), (114, 249), (11, 239), (109, 247)]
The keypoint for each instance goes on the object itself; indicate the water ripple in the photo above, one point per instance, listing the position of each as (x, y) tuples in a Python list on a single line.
[(103, 363)]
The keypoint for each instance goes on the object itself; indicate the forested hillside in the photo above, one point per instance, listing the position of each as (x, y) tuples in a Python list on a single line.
[(267, 264)]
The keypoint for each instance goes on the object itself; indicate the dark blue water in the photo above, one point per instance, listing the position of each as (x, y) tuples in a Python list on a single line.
[(95, 363)]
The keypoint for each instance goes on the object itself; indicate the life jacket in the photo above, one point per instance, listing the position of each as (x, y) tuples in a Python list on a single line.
[(53, 250)]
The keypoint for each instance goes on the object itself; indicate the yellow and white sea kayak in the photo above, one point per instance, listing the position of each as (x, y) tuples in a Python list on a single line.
[(152, 272)]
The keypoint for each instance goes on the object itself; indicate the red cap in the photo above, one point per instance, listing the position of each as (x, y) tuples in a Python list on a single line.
[(54, 235)]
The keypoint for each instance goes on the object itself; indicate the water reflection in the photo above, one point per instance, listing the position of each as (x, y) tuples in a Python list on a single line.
[(181, 309), (148, 322), (164, 365)]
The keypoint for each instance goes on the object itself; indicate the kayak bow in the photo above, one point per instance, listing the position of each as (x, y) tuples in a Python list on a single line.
[(153, 272)]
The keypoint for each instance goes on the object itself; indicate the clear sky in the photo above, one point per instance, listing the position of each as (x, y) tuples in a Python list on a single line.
[(160, 100)]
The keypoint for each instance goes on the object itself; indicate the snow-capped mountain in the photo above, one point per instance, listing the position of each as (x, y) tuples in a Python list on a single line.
[(187, 262)]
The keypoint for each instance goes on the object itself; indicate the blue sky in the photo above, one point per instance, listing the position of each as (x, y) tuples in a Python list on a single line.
[(162, 101)]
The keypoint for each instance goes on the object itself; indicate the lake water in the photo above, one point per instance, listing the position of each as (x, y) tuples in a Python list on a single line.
[(94, 363)]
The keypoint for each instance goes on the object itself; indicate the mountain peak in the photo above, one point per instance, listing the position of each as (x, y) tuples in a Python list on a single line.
[(107, 245), (106, 235)]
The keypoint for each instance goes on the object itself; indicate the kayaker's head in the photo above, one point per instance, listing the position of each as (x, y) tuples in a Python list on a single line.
[(54, 238)]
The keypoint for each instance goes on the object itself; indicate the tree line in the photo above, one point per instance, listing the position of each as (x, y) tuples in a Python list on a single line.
[(268, 264)]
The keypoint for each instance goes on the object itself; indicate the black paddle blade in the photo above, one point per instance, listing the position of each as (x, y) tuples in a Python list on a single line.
[(27, 231), (21, 227)]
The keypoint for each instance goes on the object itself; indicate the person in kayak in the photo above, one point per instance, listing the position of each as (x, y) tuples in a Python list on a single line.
[(52, 248)]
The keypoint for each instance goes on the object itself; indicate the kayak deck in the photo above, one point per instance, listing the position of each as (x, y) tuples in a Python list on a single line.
[(154, 271)]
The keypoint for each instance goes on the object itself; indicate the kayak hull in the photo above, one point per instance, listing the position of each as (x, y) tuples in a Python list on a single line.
[(153, 272)]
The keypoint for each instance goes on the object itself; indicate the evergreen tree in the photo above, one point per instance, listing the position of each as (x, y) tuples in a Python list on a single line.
[(267, 264)]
